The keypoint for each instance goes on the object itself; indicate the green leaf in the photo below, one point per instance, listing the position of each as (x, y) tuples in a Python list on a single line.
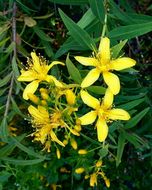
[(48, 49), (7, 149), (120, 149), (23, 162), (97, 89), (121, 15), (15, 67), (73, 71), (134, 139), (86, 19), (133, 121), (69, 2), (25, 149), (16, 108), (131, 104), (10, 48), (2, 42), (130, 31), (41, 34), (78, 34), (103, 151), (4, 130), (5, 80), (98, 9), (117, 48)]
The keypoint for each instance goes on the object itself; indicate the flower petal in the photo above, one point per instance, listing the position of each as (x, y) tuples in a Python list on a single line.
[(40, 115), (108, 99), (55, 63), (102, 130), (104, 49), (89, 100), (87, 61), (54, 138), (36, 62), (119, 114), (30, 88), (122, 63), (51, 78), (91, 77), (112, 81), (88, 118), (27, 76)]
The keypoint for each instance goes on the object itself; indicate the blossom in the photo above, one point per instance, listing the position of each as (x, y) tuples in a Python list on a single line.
[(47, 124), (36, 72), (104, 65), (44, 124), (103, 112)]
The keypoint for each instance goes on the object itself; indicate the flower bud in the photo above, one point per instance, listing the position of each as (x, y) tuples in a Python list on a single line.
[(79, 170), (82, 151), (99, 163), (70, 97), (58, 153), (107, 182), (77, 128), (33, 98), (74, 144)]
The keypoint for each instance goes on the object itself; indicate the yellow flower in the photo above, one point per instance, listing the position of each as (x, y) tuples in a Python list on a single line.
[(37, 72), (104, 65), (102, 111), (93, 180), (44, 124)]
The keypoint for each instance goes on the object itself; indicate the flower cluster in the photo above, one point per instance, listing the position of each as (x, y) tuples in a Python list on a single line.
[(56, 115)]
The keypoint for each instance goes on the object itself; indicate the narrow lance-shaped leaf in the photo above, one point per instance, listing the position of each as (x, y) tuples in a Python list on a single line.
[(73, 71), (133, 122), (97, 8), (117, 48), (130, 31), (120, 149), (132, 104), (69, 2), (78, 34), (23, 162)]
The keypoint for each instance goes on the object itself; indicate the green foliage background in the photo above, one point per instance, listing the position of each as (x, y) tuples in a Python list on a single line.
[(55, 28)]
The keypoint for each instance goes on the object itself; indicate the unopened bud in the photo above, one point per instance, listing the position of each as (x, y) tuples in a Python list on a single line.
[(74, 144), (99, 163), (58, 153), (33, 98), (77, 128), (79, 170), (82, 151), (70, 97)]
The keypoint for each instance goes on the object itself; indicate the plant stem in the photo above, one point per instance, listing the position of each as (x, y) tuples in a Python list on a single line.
[(14, 55)]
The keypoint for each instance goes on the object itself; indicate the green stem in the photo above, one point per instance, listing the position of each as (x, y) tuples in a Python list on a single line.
[(104, 26)]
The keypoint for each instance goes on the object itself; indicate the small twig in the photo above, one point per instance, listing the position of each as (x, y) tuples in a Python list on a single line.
[(14, 55)]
